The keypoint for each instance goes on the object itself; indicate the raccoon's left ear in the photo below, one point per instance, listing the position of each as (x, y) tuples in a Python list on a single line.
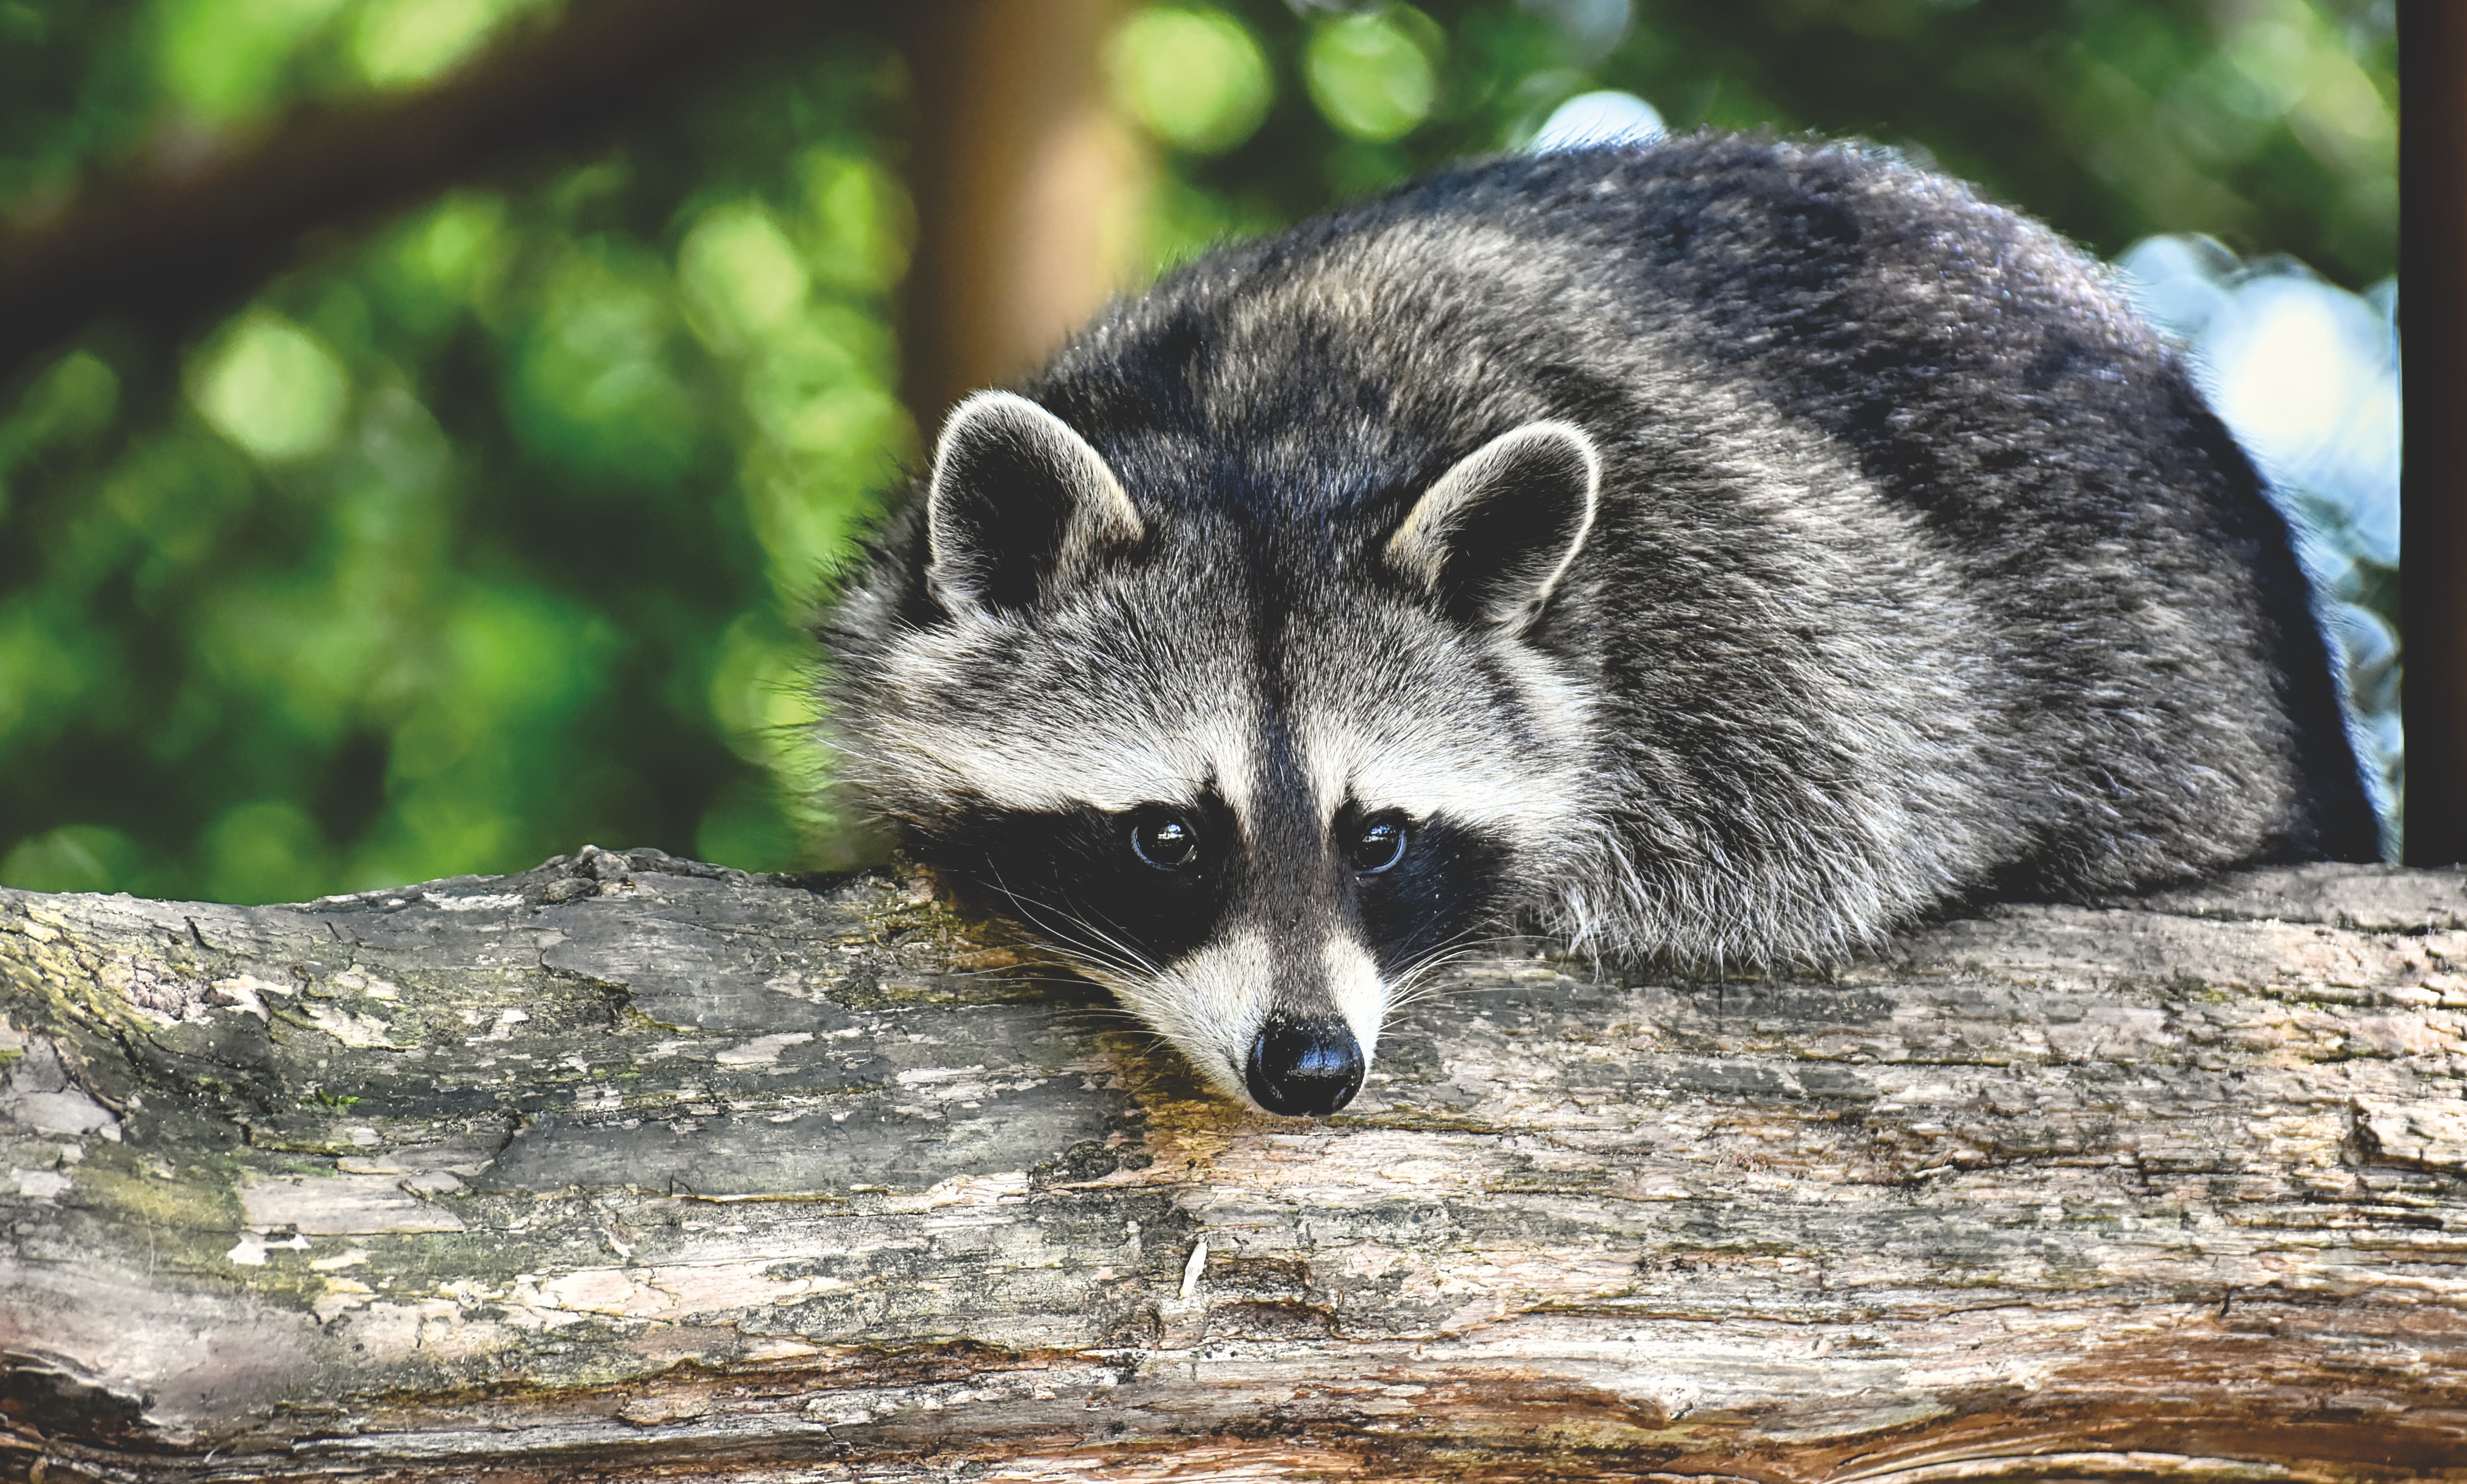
[(1018, 499), (1497, 533)]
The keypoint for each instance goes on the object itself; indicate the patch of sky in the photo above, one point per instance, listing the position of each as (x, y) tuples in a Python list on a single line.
[(2306, 375), (1592, 119)]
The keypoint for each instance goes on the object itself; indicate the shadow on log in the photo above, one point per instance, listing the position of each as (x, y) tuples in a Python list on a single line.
[(630, 1167)]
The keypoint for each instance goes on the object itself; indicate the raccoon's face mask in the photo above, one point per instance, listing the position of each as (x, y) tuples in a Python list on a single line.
[(1256, 783)]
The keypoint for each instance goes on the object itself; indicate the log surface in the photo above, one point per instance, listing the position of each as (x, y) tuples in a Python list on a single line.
[(629, 1167)]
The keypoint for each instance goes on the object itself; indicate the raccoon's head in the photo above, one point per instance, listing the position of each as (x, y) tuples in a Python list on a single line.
[(1255, 773)]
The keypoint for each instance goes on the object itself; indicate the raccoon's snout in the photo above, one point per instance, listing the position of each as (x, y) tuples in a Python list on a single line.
[(1310, 1067)]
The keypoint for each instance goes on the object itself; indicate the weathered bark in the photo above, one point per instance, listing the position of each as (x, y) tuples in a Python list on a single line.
[(627, 1167)]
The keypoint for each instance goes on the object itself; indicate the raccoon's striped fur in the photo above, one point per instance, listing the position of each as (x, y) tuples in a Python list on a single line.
[(1726, 550)]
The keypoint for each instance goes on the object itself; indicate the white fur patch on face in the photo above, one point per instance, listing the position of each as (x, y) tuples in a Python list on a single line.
[(1210, 1005), (1432, 748), (1359, 994), (1158, 736), (1213, 1002)]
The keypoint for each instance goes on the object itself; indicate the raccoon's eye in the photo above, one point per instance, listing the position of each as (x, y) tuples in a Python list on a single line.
[(1166, 841), (1377, 844)]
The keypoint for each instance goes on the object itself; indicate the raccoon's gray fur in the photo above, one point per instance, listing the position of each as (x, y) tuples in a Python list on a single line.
[(1725, 550)]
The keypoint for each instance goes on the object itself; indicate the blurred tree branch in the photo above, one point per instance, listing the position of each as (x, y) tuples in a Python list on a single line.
[(168, 240)]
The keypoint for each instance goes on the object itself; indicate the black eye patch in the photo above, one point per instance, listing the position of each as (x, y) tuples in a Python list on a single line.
[(1127, 890), (1442, 885)]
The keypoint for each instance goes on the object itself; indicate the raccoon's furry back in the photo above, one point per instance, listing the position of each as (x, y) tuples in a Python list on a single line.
[(1921, 571)]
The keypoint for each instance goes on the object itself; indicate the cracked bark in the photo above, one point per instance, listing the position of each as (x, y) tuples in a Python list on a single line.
[(627, 1167)]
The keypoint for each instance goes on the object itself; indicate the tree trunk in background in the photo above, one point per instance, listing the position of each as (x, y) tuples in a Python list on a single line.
[(626, 1168), (2432, 313), (1026, 186)]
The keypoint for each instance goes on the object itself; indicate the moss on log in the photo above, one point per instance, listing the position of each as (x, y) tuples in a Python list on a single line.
[(631, 1167)]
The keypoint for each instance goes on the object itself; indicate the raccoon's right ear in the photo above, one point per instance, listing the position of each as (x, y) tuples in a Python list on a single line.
[(1017, 499), (1497, 533)]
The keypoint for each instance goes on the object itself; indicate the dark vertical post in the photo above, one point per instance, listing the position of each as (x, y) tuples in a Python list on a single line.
[(1024, 182), (2433, 317)]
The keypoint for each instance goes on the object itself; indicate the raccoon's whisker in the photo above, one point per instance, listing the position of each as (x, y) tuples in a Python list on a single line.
[(1452, 949), (1421, 979), (1129, 958), (1116, 955), (1423, 985)]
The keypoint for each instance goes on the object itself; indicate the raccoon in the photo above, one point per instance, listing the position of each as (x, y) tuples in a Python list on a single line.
[(1723, 551)]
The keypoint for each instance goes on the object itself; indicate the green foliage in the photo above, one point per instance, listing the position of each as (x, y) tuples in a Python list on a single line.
[(1375, 74), (1197, 79), (480, 539), (2269, 125), (485, 535), (84, 83)]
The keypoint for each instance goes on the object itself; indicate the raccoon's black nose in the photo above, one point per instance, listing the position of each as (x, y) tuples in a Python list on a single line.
[(1305, 1067)]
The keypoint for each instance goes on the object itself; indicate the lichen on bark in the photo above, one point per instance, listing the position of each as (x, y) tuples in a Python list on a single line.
[(633, 1165)]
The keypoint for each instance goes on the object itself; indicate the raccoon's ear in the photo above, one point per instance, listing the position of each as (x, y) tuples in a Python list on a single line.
[(1017, 499), (1496, 534)]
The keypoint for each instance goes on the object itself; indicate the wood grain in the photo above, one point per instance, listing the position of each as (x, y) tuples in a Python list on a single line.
[(632, 1168)]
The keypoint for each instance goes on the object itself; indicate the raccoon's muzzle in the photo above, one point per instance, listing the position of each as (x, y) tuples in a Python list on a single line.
[(1305, 1067)]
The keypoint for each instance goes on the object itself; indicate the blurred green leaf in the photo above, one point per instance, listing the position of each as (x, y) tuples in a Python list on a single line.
[(273, 389), (1197, 79), (1373, 72), (225, 60), (266, 851), (73, 858)]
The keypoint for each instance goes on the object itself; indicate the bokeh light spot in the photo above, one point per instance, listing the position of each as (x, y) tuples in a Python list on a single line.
[(460, 243), (1196, 78), (861, 224), (2306, 375), (592, 388), (741, 272), (399, 43), (273, 389), (224, 59), (1371, 74), (73, 399), (763, 692)]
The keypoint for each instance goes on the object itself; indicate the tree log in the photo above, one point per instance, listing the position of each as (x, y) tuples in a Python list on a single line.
[(627, 1167)]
